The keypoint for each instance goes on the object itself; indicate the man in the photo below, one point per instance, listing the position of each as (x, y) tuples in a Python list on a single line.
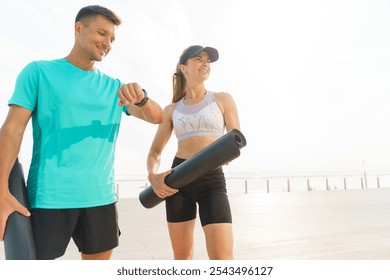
[(76, 112)]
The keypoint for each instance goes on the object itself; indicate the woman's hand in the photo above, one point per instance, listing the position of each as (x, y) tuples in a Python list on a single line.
[(159, 187)]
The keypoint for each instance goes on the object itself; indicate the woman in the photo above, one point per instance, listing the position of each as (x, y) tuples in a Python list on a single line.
[(198, 117)]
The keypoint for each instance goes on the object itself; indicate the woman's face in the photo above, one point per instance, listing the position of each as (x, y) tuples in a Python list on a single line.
[(197, 67)]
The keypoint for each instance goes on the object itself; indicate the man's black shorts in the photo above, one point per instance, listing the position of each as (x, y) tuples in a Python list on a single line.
[(94, 230)]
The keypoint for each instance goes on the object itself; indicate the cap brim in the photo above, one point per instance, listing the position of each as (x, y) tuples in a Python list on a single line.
[(213, 53), (194, 50)]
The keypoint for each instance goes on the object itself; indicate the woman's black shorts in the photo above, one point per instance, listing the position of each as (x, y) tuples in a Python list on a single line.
[(209, 192)]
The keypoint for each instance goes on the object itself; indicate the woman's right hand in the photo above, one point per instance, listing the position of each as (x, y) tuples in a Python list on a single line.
[(159, 187)]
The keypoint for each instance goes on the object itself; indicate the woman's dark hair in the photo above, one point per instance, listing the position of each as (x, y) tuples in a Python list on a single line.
[(179, 85)]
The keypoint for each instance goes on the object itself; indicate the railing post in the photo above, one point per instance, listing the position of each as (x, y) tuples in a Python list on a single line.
[(345, 183), (377, 182), (288, 185), (308, 185), (267, 185), (246, 186), (327, 184), (117, 190)]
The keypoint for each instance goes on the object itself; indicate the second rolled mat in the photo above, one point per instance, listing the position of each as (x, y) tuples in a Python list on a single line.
[(223, 150), (18, 237)]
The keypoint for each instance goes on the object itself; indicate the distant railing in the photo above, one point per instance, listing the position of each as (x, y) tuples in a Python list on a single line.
[(308, 183), (257, 183)]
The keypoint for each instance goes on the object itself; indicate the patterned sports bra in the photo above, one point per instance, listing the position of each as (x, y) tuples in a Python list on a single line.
[(202, 119)]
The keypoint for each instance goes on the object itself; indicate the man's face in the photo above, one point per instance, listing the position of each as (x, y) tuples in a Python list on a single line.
[(95, 37)]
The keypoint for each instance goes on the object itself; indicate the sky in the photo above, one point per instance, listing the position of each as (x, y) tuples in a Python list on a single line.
[(310, 78)]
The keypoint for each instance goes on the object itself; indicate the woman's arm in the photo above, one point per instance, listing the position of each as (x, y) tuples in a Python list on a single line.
[(229, 110), (160, 140)]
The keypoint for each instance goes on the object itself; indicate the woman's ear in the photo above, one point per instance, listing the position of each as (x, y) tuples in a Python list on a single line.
[(182, 68)]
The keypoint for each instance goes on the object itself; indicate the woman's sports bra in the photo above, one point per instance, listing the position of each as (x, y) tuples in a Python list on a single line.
[(202, 119)]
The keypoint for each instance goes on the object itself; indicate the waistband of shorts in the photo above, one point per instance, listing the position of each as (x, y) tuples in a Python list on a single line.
[(176, 161)]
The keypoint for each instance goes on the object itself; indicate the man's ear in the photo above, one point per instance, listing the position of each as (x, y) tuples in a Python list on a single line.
[(78, 26)]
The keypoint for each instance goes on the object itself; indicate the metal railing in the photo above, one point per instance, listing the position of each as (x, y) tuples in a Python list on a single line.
[(258, 183), (308, 183)]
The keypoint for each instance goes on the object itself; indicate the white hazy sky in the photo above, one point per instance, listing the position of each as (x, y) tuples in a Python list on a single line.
[(310, 78)]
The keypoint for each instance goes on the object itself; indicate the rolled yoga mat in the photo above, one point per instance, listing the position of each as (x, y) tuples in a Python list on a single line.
[(18, 237), (223, 150)]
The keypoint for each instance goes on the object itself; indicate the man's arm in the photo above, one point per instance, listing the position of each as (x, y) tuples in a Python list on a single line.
[(11, 135), (131, 95)]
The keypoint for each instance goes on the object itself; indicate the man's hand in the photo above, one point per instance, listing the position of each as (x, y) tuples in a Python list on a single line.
[(130, 94), (8, 205)]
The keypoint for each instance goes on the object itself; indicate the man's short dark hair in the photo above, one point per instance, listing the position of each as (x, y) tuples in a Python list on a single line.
[(96, 10)]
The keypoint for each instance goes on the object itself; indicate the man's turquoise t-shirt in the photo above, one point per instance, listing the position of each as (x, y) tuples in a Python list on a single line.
[(75, 120)]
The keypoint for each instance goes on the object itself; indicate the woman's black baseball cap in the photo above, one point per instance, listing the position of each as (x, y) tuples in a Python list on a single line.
[(194, 50)]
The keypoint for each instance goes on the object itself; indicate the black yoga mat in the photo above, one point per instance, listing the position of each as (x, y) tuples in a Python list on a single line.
[(18, 237), (223, 150)]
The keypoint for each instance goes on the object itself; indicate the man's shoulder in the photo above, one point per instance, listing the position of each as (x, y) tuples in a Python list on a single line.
[(48, 62), (37, 64), (107, 76)]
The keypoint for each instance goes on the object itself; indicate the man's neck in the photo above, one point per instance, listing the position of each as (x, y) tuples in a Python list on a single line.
[(76, 61)]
